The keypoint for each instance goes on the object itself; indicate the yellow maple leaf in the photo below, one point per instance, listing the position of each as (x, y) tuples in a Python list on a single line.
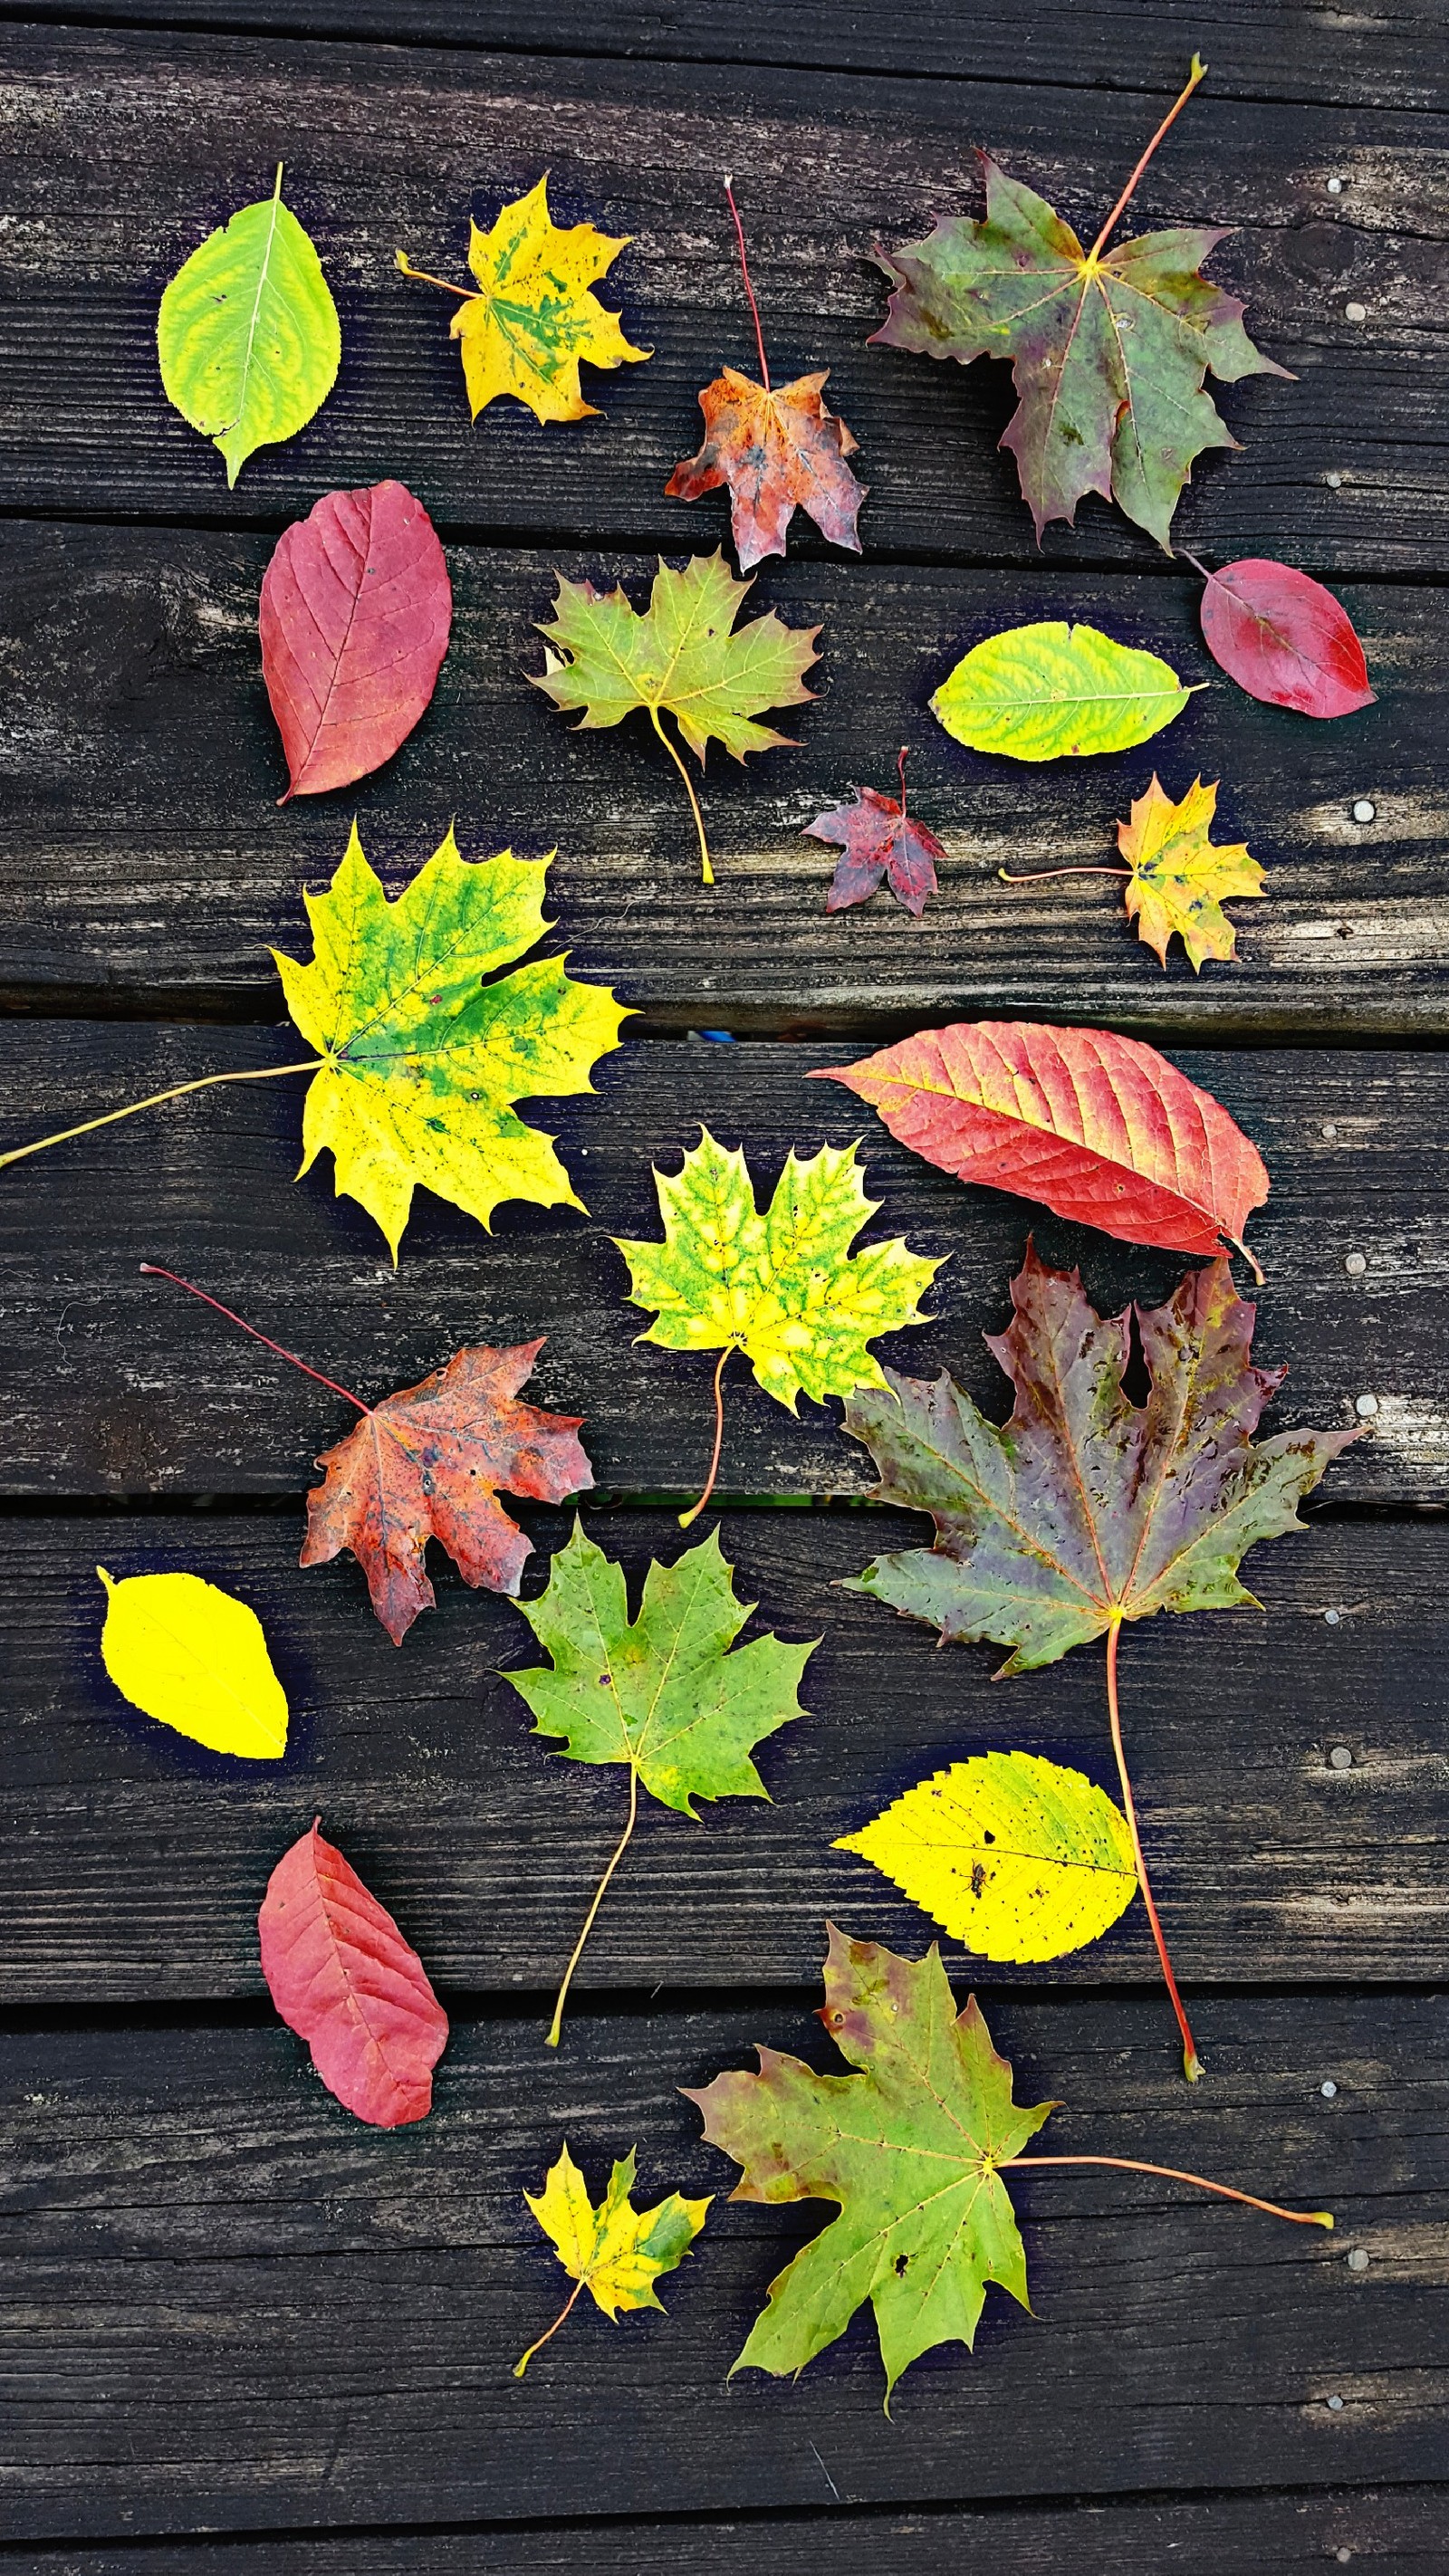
[(533, 319), (615, 2251), (1178, 877)]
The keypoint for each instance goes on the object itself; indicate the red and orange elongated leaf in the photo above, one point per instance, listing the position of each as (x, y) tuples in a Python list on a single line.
[(1098, 1128), (342, 1976), (1283, 638), (354, 616), (428, 1462)]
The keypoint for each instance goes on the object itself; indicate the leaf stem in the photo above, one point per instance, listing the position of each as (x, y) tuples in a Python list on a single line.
[(693, 1513), (520, 2367), (1043, 876), (749, 290), (901, 768), (1199, 567), (1174, 2173), (425, 277), (154, 1099), (153, 1270), (706, 870), (1191, 2062), (1194, 76), (556, 2025)]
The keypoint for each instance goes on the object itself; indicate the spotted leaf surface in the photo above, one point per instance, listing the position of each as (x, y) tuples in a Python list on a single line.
[(421, 1059), (1180, 878), (910, 2146), (783, 1287), (1014, 1856), (878, 839), (533, 320), (616, 2252), (779, 450)]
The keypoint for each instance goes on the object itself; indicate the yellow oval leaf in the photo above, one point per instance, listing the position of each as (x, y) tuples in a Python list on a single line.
[(194, 1658), (1015, 1856)]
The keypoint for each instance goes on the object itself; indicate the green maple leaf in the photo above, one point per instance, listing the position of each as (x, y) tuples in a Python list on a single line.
[(785, 1287), (662, 1693), (910, 2147), (1109, 349), (1086, 1510), (681, 657), (421, 1058)]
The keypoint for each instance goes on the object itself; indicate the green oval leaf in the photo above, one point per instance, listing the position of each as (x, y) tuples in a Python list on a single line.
[(1057, 692), (248, 335), (1016, 1857)]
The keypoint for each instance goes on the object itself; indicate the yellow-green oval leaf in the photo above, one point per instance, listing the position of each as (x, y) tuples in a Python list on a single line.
[(194, 1658), (248, 334), (1057, 692), (1016, 1857)]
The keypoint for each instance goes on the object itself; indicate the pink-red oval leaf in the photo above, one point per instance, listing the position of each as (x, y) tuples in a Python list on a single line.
[(342, 1976), (1099, 1128), (354, 616), (1284, 638)]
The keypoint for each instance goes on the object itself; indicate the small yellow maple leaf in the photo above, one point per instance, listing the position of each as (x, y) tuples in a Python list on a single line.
[(533, 319), (1178, 877), (615, 2251)]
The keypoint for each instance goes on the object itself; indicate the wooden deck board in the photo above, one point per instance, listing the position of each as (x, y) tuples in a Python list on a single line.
[(134, 1861), (243, 2333), (280, 2319)]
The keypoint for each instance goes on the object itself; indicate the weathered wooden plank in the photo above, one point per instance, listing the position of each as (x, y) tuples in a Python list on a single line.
[(231, 2306), (117, 1384), (1381, 56), (125, 147), (133, 1862), (148, 857), (1400, 2530)]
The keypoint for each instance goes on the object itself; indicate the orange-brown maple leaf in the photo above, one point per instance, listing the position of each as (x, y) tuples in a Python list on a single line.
[(778, 451), (429, 1462)]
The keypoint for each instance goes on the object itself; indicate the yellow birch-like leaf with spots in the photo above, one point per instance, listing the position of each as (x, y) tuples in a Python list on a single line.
[(783, 1287), (195, 1659), (421, 1058), (247, 334), (533, 319), (1179, 878), (1057, 692), (616, 2252), (1014, 1856)]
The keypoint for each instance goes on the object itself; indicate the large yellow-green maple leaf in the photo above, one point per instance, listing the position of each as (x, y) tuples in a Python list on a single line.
[(421, 1057), (533, 319)]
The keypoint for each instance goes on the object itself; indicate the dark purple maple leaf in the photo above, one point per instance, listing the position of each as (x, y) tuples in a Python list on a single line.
[(879, 839)]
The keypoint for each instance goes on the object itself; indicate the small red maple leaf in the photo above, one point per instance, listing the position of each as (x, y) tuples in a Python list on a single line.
[(879, 839)]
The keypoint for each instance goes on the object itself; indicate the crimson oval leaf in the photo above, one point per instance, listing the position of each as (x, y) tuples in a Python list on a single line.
[(354, 615), (1099, 1128), (342, 1976), (1284, 638)]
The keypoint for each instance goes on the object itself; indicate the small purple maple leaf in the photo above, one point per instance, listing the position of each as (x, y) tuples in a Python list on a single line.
[(879, 839)]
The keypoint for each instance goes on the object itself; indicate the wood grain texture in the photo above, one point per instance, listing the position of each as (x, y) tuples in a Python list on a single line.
[(1380, 56), (117, 1384), (231, 2306), (150, 864), (1397, 2531), (123, 149), (132, 1862)]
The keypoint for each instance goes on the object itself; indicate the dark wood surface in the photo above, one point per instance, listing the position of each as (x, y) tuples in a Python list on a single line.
[(241, 2332)]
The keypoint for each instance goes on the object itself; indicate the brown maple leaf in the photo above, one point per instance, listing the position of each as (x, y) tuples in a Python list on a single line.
[(878, 838), (429, 1462), (778, 448)]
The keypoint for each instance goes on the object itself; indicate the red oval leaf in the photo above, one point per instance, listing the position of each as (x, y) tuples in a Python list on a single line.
[(1099, 1128), (354, 616), (342, 1976), (1284, 638)]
